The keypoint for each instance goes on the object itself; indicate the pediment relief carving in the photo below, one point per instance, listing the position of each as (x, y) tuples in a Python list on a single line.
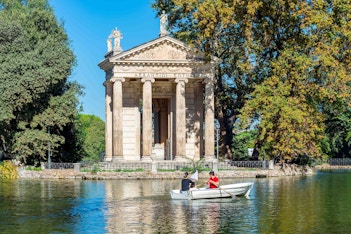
[(163, 51), (154, 55)]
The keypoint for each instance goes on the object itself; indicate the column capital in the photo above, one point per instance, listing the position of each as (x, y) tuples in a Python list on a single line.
[(147, 79), (179, 80), (114, 79)]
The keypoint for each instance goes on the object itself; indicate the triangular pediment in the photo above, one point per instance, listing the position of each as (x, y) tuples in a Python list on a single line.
[(165, 49)]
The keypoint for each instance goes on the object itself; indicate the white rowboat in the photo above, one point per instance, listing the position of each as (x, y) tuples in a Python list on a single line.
[(229, 190)]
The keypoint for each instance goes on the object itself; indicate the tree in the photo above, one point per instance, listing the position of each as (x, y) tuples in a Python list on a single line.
[(338, 130), (288, 126), (309, 74), (242, 142), (284, 64), (209, 26), (93, 131), (35, 94)]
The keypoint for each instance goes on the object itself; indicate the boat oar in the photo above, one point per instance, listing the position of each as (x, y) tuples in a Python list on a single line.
[(232, 195), (196, 186)]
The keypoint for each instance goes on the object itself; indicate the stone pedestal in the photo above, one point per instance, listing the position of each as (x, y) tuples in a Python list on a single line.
[(215, 166), (158, 152), (271, 165), (154, 167), (77, 167)]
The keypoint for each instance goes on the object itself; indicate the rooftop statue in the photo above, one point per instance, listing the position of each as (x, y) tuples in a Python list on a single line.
[(163, 24), (116, 35)]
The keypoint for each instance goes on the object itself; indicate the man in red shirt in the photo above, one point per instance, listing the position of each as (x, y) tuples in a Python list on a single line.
[(213, 182)]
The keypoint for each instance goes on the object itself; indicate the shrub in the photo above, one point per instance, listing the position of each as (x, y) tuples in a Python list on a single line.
[(8, 170)]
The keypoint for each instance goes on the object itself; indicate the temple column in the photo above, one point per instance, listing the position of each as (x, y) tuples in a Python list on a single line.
[(147, 118), (198, 121), (180, 119), (117, 114), (108, 124), (209, 119)]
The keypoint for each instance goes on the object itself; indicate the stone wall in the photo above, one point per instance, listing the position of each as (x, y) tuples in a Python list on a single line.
[(239, 173)]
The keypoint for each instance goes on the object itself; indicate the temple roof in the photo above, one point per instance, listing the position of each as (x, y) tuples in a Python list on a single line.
[(163, 50)]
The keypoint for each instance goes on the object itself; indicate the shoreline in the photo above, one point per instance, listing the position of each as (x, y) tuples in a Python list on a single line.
[(278, 171)]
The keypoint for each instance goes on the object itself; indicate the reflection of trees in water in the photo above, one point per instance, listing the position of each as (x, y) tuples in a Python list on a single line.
[(277, 205), (28, 204), (212, 221), (198, 216), (138, 206), (133, 207)]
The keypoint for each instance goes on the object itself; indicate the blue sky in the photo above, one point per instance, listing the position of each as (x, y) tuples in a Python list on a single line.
[(88, 23)]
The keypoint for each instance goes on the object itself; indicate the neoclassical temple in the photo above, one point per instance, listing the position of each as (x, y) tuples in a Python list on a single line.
[(159, 100)]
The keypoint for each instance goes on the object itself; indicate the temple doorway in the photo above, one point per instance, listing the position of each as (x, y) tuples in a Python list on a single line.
[(161, 128)]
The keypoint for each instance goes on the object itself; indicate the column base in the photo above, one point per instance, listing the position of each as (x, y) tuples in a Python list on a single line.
[(180, 159), (108, 159), (117, 158), (146, 158), (210, 158)]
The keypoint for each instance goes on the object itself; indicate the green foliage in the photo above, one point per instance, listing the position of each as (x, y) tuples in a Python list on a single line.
[(242, 142), (35, 94), (31, 168), (92, 130), (338, 129), (96, 168), (8, 170)]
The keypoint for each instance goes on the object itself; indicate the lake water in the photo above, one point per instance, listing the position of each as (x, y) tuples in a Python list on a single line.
[(310, 204)]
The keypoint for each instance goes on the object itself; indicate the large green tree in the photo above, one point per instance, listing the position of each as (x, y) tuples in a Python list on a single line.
[(338, 129), (295, 55), (93, 135), (38, 105)]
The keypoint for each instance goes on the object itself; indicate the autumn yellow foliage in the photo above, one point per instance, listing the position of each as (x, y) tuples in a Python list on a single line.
[(8, 170)]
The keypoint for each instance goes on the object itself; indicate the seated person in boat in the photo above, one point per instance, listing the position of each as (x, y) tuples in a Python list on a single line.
[(213, 181), (187, 183)]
